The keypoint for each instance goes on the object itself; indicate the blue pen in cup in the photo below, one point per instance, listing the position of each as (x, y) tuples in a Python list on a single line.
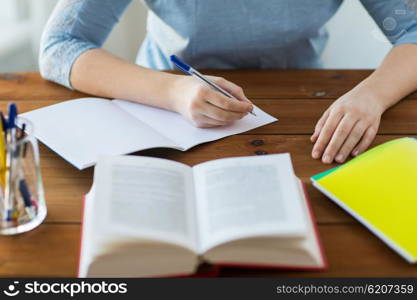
[(27, 198), (193, 72), (24, 208)]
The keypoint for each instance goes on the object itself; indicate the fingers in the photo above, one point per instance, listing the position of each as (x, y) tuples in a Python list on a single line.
[(346, 128), (231, 87), (349, 134), (227, 104), (326, 133), (319, 126), (366, 140), (342, 131), (207, 108), (206, 122), (352, 140), (216, 113)]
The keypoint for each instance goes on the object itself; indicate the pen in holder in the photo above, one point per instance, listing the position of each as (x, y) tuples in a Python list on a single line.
[(22, 202)]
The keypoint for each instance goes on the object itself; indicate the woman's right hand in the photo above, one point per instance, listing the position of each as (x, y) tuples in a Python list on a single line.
[(205, 107)]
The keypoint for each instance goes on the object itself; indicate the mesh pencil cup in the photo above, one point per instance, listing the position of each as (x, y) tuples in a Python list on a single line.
[(22, 201)]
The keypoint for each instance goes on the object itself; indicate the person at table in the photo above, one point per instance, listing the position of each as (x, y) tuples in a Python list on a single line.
[(230, 34)]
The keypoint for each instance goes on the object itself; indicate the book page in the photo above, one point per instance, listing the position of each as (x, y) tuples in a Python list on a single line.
[(247, 197), (83, 129), (276, 251), (144, 197), (173, 126), (87, 237)]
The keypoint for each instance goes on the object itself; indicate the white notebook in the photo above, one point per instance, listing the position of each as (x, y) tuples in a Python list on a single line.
[(83, 129)]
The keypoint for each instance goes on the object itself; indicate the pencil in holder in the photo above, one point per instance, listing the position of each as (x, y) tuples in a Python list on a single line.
[(22, 201)]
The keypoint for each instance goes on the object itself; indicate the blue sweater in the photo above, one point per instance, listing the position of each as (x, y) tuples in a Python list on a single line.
[(213, 34)]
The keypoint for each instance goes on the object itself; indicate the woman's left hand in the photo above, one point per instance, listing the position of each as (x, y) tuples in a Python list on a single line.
[(347, 127)]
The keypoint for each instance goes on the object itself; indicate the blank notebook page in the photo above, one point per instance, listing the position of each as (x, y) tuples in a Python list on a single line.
[(81, 130), (173, 126)]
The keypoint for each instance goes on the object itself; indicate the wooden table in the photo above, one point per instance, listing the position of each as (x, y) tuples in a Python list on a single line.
[(298, 98)]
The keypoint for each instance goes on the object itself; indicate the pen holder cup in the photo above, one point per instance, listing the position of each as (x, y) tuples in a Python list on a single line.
[(22, 200)]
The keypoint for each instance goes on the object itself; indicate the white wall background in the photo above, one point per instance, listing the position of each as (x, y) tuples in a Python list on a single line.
[(355, 40)]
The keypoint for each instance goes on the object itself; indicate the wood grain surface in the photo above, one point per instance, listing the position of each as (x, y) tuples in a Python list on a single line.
[(296, 97)]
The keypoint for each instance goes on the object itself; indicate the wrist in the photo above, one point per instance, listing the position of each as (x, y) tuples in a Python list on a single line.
[(175, 92), (374, 95), (163, 90)]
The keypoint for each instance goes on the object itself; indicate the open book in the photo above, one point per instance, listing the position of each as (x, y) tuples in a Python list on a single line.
[(81, 130), (148, 217)]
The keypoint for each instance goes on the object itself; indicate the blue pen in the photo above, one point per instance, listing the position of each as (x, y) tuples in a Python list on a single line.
[(27, 199), (11, 122), (193, 72)]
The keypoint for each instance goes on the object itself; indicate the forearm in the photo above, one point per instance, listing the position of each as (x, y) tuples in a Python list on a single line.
[(395, 78), (350, 124), (100, 73)]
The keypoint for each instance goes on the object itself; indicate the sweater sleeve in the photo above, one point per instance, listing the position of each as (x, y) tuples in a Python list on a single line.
[(74, 27), (396, 18)]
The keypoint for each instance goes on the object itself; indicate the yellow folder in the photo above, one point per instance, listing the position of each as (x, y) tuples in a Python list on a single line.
[(379, 188)]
